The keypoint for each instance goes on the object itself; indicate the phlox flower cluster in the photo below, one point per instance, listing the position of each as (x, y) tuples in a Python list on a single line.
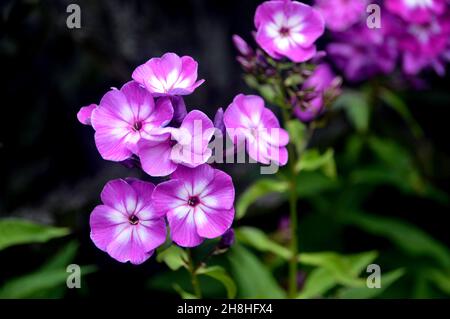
[(147, 121)]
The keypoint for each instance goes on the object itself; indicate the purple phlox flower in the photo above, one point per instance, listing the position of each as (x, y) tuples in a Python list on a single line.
[(425, 45), (126, 225), (125, 116), (417, 11), (248, 120), (288, 29), (339, 15), (242, 46), (198, 203), (84, 114), (361, 53), (320, 83), (186, 145), (168, 75)]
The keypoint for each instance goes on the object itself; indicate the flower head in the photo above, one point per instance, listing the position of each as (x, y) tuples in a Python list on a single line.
[(416, 11), (127, 226), (125, 116), (288, 29), (168, 75), (247, 119), (186, 145), (198, 203), (341, 14)]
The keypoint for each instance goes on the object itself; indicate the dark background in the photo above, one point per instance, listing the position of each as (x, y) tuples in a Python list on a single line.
[(50, 169)]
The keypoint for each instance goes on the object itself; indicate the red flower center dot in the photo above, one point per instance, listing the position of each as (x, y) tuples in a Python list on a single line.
[(137, 126), (133, 220), (193, 201), (284, 31)]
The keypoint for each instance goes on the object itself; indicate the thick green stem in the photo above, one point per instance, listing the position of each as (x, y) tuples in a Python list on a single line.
[(194, 279)]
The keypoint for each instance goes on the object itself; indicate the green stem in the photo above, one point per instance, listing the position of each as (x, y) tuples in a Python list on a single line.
[(293, 223), (194, 279)]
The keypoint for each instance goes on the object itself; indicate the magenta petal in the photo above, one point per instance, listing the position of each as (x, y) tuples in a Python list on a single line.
[(183, 230), (156, 157), (195, 179), (128, 246), (119, 195), (105, 222), (219, 193), (84, 114), (169, 195), (212, 223)]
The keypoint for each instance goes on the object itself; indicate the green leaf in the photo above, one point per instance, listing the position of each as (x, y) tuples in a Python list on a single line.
[(18, 231), (366, 292), (318, 282), (310, 184), (356, 106), (406, 236), (345, 269), (252, 277), (260, 188), (312, 160), (183, 294), (258, 239), (221, 275), (174, 257), (396, 103), (440, 278), (50, 277)]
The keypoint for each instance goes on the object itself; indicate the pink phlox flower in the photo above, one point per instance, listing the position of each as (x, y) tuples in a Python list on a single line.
[(126, 225), (168, 75), (198, 203)]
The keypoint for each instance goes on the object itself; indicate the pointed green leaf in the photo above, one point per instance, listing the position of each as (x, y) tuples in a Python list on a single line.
[(252, 278), (258, 239), (19, 231)]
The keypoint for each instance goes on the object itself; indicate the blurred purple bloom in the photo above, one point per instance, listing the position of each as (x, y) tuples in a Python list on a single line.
[(242, 46), (339, 15), (186, 145), (425, 45), (288, 29), (417, 11), (247, 119), (168, 75), (318, 83), (125, 116), (361, 53), (198, 203), (127, 226)]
